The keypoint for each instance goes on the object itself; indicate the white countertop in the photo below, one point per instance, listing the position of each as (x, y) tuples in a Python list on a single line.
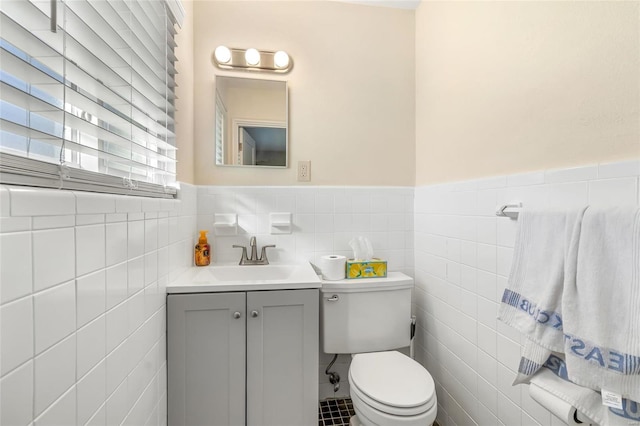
[(232, 277)]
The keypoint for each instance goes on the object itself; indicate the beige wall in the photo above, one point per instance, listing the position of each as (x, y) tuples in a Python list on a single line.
[(504, 87), (185, 95), (351, 112)]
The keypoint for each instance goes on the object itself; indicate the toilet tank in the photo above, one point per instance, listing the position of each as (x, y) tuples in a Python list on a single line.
[(366, 315)]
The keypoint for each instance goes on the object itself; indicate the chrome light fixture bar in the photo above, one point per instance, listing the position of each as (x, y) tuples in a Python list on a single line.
[(251, 59)]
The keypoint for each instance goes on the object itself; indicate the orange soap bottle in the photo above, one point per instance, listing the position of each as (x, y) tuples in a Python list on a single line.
[(203, 250)]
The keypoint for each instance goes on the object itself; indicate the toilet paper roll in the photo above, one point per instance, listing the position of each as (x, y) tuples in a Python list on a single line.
[(559, 408), (333, 267)]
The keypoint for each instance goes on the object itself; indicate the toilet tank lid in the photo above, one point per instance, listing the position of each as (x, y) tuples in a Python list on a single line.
[(392, 379), (394, 280)]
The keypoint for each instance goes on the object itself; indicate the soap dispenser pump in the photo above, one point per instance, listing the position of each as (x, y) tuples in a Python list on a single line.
[(203, 250)]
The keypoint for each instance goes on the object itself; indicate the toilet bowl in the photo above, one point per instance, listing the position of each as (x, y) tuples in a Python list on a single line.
[(389, 388)]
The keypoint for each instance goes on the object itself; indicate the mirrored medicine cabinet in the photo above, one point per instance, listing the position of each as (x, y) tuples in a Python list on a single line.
[(251, 126)]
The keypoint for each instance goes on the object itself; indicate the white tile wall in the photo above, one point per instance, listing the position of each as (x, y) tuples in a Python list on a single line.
[(82, 311), (55, 315), (17, 331), (16, 273), (54, 259), (462, 259), (103, 263), (16, 391), (325, 219)]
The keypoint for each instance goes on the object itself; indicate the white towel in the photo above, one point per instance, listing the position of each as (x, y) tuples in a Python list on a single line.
[(532, 301), (601, 303)]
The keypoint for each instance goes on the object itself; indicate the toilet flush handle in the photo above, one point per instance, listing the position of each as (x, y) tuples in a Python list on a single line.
[(333, 298)]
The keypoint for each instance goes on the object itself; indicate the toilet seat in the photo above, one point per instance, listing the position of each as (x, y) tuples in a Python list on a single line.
[(392, 383), (372, 405)]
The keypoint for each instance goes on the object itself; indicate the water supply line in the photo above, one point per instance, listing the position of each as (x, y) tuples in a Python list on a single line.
[(334, 378), (412, 335)]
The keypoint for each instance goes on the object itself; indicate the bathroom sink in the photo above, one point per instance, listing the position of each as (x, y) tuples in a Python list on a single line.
[(233, 277), (252, 273)]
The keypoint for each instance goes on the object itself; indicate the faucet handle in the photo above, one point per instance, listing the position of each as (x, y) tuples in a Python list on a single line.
[(244, 253), (263, 255)]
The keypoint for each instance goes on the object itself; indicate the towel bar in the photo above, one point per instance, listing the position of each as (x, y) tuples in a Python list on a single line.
[(509, 210)]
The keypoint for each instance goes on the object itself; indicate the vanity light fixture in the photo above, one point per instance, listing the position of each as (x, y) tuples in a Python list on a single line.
[(252, 59)]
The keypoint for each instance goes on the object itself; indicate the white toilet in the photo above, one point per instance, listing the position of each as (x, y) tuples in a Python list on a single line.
[(369, 318)]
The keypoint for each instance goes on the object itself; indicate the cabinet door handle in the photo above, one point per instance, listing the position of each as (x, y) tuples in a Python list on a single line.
[(254, 314), (237, 314)]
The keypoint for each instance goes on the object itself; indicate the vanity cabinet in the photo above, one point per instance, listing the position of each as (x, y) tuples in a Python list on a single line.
[(243, 358)]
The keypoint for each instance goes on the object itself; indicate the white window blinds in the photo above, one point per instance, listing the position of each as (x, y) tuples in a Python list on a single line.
[(91, 105), (221, 115)]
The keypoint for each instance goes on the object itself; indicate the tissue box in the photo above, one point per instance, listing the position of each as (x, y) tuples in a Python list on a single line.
[(374, 268)]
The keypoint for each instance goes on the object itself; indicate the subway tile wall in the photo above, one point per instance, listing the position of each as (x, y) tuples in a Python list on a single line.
[(82, 314), (463, 256), (325, 219), (82, 304)]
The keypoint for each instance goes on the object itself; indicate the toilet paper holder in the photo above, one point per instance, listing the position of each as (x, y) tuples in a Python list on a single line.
[(579, 418), (559, 408)]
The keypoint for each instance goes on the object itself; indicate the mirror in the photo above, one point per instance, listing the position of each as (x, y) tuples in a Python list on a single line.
[(251, 122)]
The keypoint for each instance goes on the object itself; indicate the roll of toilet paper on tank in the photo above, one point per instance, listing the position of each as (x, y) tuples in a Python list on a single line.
[(333, 267), (559, 408)]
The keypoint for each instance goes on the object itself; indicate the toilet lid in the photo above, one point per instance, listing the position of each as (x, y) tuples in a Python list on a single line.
[(392, 379)]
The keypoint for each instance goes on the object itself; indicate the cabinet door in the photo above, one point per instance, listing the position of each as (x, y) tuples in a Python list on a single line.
[(282, 357), (206, 359)]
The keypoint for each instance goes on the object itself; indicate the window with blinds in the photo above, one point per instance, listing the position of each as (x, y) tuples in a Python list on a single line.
[(221, 115), (87, 95)]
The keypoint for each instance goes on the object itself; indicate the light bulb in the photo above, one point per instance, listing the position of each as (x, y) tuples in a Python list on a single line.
[(223, 54), (252, 56), (281, 59)]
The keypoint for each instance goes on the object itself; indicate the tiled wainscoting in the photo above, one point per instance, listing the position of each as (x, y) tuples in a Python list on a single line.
[(462, 258), (325, 219), (82, 288), (83, 276), (82, 304)]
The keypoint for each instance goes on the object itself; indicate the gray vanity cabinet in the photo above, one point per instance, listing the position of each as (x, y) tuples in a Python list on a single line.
[(205, 359), (243, 358)]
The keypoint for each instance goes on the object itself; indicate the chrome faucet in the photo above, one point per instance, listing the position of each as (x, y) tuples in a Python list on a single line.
[(254, 254), (245, 260)]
